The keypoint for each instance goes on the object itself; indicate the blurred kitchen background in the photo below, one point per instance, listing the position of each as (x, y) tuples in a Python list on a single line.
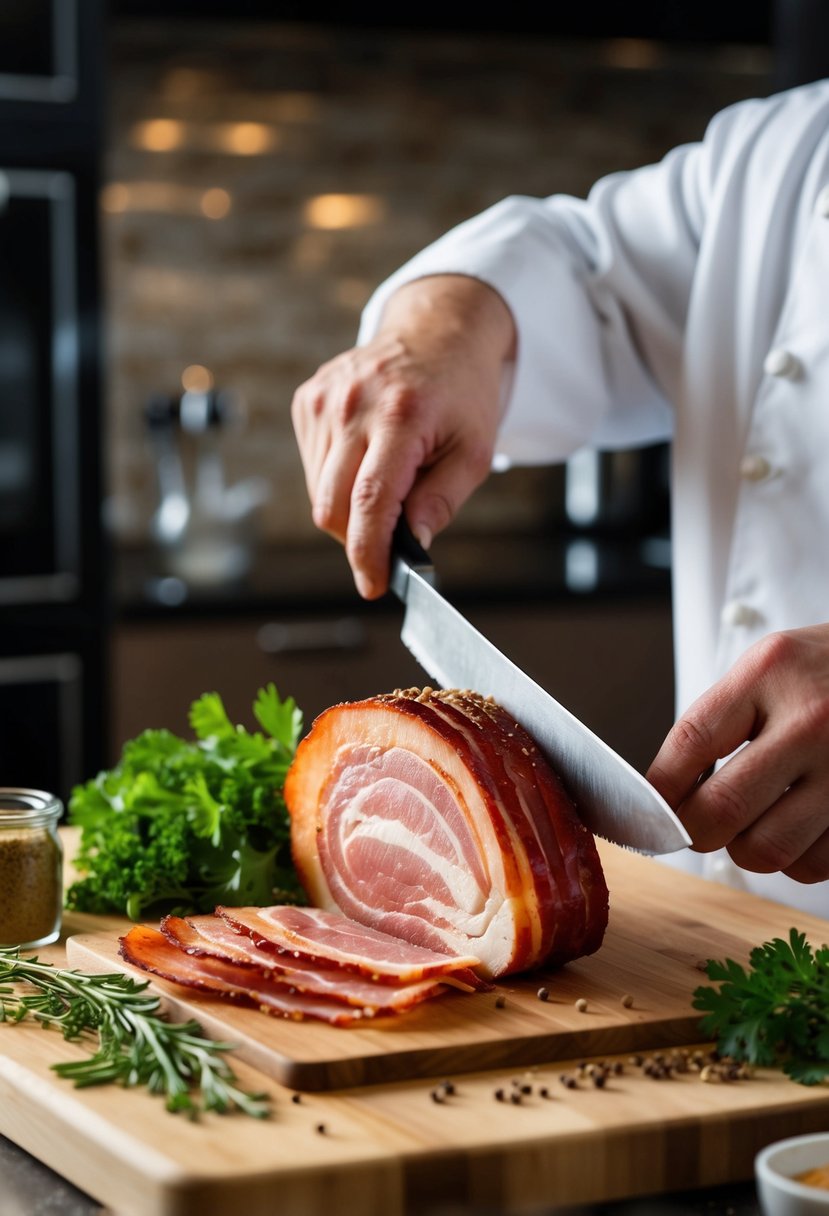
[(195, 202)]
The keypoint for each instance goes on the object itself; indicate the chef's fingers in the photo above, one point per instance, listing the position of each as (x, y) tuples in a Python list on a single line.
[(312, 431), (331, 494), (786, 831), (325, 411), (385, 477), (714, 726), (813, 865), (734, 798)]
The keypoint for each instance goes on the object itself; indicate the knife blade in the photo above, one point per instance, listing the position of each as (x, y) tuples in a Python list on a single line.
[(612, 798)]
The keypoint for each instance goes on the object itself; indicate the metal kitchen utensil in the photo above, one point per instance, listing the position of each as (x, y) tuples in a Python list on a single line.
[(613, 800)]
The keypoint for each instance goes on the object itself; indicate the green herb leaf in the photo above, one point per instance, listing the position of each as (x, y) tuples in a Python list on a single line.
[(179, 825), (209, 719), (136, 1045), (281, 719), (775, 1012)]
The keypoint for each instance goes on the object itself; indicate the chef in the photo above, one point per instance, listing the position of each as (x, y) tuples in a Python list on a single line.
[(687, 300)]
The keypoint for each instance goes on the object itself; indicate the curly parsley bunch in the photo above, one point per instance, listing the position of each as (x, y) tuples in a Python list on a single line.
[(181, 826)]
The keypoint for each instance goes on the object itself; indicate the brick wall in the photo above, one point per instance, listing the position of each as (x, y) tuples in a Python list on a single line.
[(220, 138)]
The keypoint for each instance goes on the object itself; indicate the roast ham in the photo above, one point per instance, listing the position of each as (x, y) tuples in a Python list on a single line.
[(437, 848), (433, 817)]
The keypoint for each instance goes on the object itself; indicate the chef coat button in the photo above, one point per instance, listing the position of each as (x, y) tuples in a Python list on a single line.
[(754, 467), (779, 362), (823, 203), (735, 612)]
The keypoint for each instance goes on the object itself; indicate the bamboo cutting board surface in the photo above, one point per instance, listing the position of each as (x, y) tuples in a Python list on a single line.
[(389, 1148), (652, 952)]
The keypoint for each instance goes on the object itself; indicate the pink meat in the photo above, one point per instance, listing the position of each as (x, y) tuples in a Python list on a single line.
[(213, 937), (433, 817), (151, 951), (332, 939)]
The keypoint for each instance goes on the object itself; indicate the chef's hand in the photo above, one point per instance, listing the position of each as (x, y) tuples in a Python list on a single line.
[(409, 418), (769, 803)]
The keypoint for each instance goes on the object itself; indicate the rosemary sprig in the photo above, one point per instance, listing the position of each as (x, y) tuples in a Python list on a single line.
[(136, 1045)]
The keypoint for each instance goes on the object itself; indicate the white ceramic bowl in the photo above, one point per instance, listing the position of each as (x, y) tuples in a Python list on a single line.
[(774, 1170)]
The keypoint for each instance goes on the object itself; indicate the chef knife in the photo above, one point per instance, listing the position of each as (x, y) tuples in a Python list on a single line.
[(613, 799)]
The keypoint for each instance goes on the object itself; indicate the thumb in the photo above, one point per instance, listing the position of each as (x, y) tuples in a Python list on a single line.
[(441, 490)]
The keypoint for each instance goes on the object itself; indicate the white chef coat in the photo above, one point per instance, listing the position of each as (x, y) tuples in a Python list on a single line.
[(687, 300)]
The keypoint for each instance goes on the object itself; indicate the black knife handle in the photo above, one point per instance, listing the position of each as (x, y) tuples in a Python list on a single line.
[(407, 550)]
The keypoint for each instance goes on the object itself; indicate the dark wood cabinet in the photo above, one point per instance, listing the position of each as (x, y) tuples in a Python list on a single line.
[(611, 663)]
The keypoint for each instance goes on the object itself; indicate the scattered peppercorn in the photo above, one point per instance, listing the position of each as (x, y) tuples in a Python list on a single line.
[(581, 1005), (515, 1097), (500, 1096), (500, 1001), (544, 1092), (320, 1129), (437, 1096), (543, 994), (599, 1079), (296, 1099), (627, 1000)]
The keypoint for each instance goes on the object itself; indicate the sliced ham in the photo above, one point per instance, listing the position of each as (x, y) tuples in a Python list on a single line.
[(433, 818), (150, 950), (330, 939), (213, 937)]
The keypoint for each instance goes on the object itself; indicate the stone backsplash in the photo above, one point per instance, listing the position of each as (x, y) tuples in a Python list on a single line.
[(261, 178)]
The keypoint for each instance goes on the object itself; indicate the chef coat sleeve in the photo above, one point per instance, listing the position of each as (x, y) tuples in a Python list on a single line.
[(599, 291)]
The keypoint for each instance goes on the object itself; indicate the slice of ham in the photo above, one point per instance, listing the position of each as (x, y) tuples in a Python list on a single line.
[(433, 817), (213, 937), (150, 950), (330, 939)]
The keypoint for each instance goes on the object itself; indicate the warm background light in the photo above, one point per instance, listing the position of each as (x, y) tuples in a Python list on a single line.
[(196, 379), (115, 198), (344, 210), (215, 203), (158, 135), (165, 197), (245, 138)]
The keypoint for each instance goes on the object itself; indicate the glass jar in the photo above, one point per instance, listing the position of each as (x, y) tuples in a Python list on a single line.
[(31, 867)]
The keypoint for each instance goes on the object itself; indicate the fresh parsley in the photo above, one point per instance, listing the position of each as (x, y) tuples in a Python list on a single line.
[(181, 826), (776, 1011), (136, 1045)]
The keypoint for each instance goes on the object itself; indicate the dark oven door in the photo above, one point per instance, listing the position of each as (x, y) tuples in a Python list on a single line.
[(39, 512)]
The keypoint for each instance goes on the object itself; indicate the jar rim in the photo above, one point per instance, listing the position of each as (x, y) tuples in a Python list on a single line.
[(22, 806)]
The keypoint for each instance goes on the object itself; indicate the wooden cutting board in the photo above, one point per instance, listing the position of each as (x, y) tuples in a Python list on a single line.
[(652, 951), (389, 1150)]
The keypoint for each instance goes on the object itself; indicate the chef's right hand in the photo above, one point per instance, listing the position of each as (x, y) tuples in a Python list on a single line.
[(409, 419)]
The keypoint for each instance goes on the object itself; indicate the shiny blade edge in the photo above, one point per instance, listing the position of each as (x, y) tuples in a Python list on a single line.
[(613, 799)]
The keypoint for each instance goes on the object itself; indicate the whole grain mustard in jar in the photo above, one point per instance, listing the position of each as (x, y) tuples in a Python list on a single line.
[(31, 867)]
